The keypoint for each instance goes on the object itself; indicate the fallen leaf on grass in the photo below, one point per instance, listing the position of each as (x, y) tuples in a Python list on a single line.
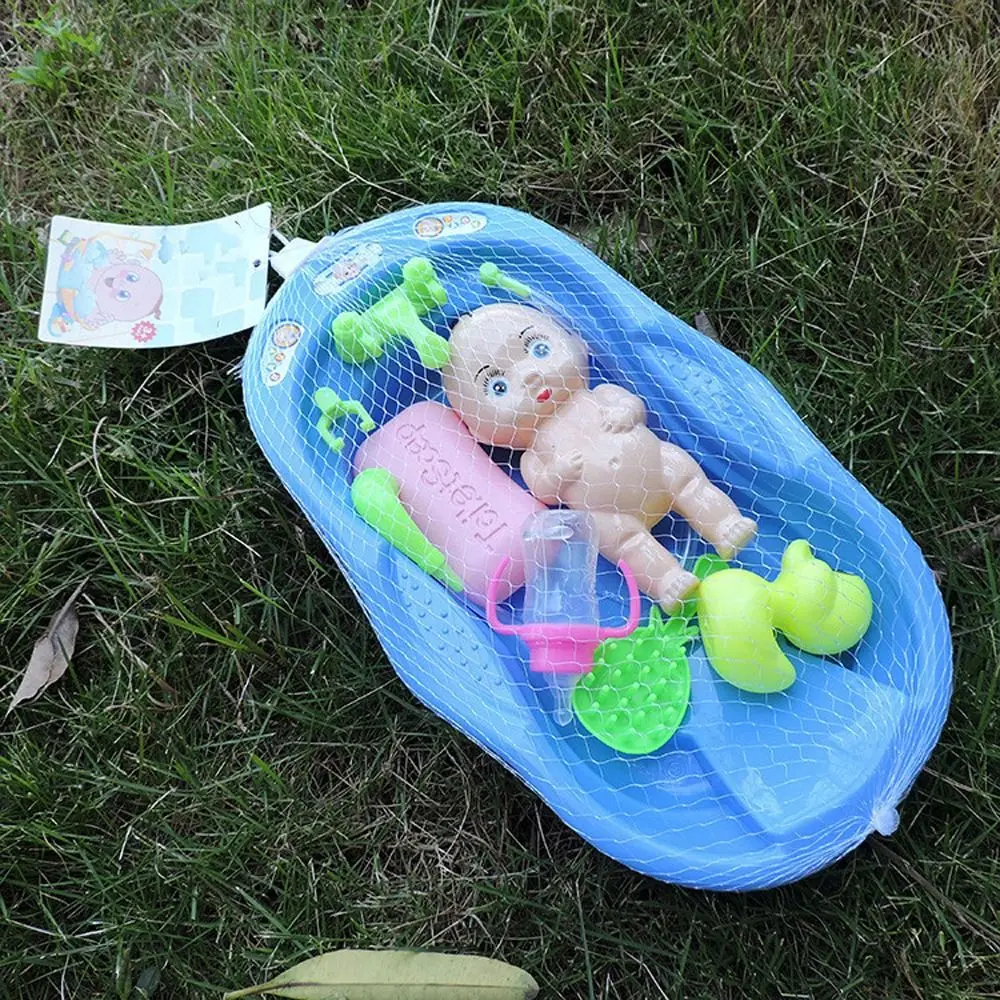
[(52, 653), (397, 975)]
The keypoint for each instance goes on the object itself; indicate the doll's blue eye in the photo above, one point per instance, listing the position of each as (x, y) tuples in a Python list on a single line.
[(497, 387), (539, 348), (123, 295), (131, 276)]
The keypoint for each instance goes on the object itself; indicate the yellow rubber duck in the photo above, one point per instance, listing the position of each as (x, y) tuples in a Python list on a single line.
[(817, 609)]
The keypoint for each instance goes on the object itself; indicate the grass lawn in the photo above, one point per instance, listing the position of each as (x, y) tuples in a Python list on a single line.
[(231, 778)]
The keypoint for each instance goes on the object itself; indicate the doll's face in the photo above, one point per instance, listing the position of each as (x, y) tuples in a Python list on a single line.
[(128, 291), (510, 368)]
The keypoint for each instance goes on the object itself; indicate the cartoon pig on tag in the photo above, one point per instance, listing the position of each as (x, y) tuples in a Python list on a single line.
[(96, 286)]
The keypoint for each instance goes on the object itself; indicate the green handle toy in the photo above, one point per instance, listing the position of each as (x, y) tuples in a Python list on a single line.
[(361, 336), (375, 495), (817, 608), (491, 275), (333, 408)]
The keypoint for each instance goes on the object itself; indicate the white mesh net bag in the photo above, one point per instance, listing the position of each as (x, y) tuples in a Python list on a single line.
[(602, 546)]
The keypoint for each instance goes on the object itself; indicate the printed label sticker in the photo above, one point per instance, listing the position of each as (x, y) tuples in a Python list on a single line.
[(431, 227), (346, 268), (279, 351)]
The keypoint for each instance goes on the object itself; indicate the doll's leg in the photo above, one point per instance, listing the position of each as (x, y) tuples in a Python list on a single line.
[(625, 539), (704, 506)]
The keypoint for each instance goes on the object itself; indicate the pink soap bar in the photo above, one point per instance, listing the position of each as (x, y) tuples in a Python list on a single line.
[(459, 498)]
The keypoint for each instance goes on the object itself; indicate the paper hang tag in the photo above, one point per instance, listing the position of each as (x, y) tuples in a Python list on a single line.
[(112, 285)]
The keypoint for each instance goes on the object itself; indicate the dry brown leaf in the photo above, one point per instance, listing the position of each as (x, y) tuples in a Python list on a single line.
[(52, 653)]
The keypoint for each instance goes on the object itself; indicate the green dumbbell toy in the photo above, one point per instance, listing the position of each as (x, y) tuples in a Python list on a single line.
[(492, 277), (362, 336)]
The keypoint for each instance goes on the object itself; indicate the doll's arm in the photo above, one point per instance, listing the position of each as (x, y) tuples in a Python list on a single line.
[(67, 299), (621, 410), (547, 479)]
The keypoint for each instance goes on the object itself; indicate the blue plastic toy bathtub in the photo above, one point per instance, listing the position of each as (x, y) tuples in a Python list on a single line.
[(752, 790)]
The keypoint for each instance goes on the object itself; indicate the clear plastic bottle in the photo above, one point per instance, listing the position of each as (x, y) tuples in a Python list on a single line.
[(559, 622), (560, 557)]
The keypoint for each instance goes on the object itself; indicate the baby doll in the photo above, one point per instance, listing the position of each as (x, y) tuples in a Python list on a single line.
[(519, 380), (96, 285)]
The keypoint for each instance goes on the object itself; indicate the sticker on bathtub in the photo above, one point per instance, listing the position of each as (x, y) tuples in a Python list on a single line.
[(112, 285), (430, 227), (279, 351), (346, 268)]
